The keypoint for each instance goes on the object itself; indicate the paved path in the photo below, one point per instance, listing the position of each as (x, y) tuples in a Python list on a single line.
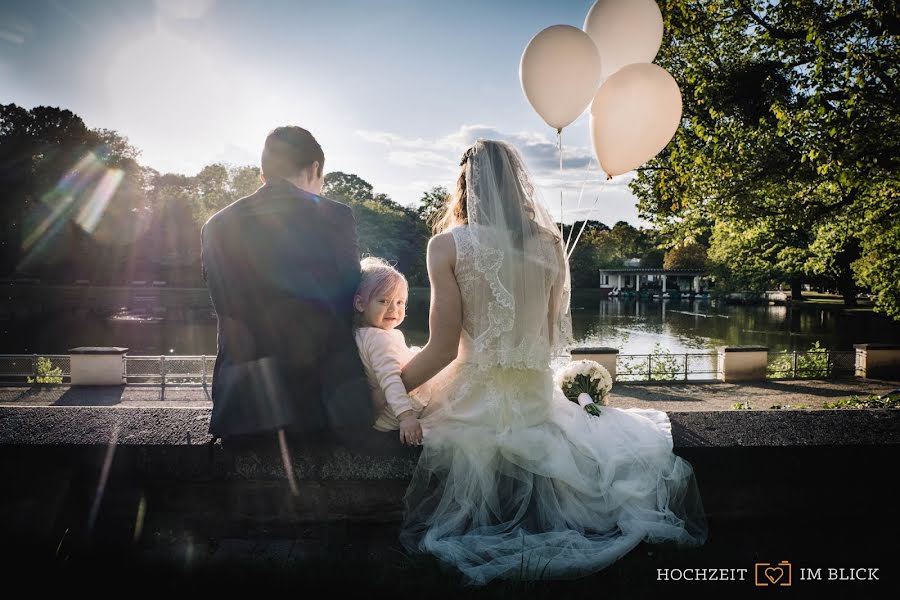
[(811, 393)]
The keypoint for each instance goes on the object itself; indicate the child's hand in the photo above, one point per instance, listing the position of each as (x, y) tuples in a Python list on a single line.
[(410, 429)]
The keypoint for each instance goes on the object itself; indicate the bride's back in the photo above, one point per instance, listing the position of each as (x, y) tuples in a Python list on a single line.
[(507, 290), (510, 264)]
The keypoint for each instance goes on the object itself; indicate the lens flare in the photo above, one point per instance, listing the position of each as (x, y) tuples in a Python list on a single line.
[(87, 189), (95, 206)]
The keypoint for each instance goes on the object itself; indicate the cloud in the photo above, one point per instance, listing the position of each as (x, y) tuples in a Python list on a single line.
[(391, 139), (13, 37), (184, 9), (539, 151), (418, 158), (237, 155), (585, 190), (15, 30)]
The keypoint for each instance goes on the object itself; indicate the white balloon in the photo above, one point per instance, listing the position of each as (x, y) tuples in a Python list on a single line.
[(560, 72), (625, 32), (634, 115)]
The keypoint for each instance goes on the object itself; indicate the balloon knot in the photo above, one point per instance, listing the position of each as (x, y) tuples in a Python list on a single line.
[(608, 177)]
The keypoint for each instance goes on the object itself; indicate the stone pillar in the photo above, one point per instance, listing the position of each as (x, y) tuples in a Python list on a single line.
[(696, 284), (620, 281), (97, 366), (878, 361), (743, 363), (602, 355), (637, 282), (663, 284)]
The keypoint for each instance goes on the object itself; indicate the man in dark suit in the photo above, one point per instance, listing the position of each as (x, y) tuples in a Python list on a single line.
[(282, 267)]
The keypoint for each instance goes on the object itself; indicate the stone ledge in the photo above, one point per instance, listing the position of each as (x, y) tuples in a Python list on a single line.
[(187, 426), (749, 465)]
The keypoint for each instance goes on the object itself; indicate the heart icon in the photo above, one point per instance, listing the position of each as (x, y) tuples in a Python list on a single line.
[(774, 574)]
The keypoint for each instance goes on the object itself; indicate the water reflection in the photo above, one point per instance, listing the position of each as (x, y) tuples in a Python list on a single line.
[(632, 326)]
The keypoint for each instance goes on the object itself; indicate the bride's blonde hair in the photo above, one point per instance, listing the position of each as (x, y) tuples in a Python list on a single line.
[(454, 212)]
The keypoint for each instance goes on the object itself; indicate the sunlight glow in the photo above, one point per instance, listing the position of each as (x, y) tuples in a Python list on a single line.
[(89, 185), (94, 208), (53, 219), (172, 90), (184, 9)]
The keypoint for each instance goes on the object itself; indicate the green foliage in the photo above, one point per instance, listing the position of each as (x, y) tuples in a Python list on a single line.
[(689, 255), (660, 365), (745, 405), (664, 364), (790, 142), (431, 205), (891, 400), (46, 372), (813, 362), (39, 149), (601, 247), (150, 227), (385, 228), (212, 189)]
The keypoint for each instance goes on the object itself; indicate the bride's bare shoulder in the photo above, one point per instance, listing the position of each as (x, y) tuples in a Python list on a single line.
[(442, 248), (442, 243)]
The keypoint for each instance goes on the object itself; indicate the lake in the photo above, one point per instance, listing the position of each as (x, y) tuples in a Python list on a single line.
[(632, 326)]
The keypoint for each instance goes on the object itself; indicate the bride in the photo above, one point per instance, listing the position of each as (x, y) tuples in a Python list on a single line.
[(514, 480)]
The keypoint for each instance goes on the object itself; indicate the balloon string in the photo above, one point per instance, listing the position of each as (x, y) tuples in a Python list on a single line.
[(559, 148), (584, 223), (578, 205)]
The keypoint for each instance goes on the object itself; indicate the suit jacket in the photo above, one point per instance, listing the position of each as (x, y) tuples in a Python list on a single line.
[(282, 267)]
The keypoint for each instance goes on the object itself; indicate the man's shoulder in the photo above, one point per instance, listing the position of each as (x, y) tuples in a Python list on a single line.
[(230, 211), (334, 205)]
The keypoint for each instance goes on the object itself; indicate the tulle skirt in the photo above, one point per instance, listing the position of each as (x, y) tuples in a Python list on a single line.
[(516, 482)]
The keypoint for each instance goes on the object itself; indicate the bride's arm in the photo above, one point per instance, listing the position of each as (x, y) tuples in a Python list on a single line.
[(444, 318)]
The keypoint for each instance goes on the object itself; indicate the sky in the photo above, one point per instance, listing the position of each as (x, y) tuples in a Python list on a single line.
[(394, 90)]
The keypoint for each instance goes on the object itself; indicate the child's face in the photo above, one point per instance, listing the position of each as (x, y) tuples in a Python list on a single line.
[(385, 311)]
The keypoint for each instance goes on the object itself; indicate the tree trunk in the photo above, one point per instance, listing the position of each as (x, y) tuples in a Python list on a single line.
[(848, 291), (796, 289)]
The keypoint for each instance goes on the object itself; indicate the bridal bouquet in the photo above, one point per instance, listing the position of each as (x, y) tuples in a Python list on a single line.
[(585, 382)]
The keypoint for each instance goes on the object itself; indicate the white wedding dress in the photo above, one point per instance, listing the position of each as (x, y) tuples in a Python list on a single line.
[(514, 480)]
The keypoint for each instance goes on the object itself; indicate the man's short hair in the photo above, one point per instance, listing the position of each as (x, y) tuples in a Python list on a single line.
[(288, 151)]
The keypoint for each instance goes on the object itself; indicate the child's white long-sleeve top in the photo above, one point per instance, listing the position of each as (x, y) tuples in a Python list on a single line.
[(384, 353)]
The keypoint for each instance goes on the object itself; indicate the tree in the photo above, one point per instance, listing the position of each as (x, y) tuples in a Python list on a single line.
[(431, 205), (790, 125), (385, 229), (347, 187), (57, 175), (37, 148), (687, 256)]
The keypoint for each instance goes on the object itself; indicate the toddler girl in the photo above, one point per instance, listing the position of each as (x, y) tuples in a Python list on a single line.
[(380, 305)]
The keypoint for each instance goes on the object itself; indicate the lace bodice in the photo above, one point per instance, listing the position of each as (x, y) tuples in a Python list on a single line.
[(506, 322)]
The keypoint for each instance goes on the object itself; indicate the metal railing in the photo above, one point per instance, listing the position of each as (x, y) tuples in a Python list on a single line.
[(811, 365), (169, 370), (667, 367), (197, 370), (35, 368)]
